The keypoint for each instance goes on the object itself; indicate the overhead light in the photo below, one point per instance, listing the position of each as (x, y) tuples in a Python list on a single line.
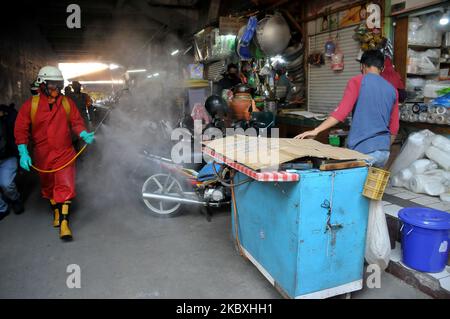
[(444, 19), (136, 70), (155, 74), (73, 70), (113, 66), (150, 76), (103, 82), (175, 52)]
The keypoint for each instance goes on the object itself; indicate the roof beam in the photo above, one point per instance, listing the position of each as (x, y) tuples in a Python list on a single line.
[(174, 19)]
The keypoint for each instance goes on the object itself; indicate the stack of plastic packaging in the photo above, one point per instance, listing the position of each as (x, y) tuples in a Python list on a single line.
[(434, 114), (423, 165)]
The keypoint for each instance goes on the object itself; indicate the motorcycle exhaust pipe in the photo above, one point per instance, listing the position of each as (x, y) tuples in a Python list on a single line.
[(169, 198)]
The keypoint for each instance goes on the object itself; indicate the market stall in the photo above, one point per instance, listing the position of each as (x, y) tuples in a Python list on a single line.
[(305, 235)]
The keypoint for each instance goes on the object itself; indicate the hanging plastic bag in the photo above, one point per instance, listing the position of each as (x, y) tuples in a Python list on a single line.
[(378, 245), (337, 61), (330, 47), (337, 58)]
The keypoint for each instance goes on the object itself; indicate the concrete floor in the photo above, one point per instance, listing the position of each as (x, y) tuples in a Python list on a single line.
[(124, 252)]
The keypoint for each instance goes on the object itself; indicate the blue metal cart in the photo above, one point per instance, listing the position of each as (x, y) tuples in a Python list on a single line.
[(306, 237)]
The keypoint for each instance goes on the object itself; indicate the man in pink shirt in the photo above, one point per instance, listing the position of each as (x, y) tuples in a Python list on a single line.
[(373, 102)]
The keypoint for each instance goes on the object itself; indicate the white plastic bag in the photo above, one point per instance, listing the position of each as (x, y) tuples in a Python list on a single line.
[(427, 184), (405, 175), (414, 149), (439, 156), (441, 143), (422, 165), (378, 245), (396, 181)]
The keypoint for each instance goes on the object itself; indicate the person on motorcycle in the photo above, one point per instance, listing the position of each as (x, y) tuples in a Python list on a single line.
[(49, 118)]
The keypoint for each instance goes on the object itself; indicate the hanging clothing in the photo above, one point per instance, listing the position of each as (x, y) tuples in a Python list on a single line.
[(391, 75)]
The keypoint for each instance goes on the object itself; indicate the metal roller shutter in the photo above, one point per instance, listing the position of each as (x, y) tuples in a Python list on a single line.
[(326, 87)]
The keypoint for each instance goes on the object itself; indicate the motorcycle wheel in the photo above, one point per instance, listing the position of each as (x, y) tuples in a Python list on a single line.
[(155, 184)]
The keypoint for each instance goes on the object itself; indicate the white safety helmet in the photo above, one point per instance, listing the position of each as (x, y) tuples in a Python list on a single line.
[(49, 73)]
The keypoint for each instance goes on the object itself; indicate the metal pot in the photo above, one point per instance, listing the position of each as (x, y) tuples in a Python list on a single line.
[(241, 88), (293, 52), (298, 78), (295, 69), (240, 106), (295, 63), (273, 34)]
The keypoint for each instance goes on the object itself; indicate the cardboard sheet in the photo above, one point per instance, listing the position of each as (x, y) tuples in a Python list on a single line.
[(259, 152)]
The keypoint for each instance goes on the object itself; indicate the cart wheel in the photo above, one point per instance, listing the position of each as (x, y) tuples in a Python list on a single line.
[(162, 184)]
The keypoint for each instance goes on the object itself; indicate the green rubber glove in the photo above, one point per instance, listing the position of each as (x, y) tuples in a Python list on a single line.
[(25, 159), (88, 138)]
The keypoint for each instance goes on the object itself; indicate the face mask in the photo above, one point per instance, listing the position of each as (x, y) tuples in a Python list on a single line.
[(53, 92), (52, 95)]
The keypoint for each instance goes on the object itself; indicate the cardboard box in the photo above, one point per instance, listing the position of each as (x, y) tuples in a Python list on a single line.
[(260, 153)]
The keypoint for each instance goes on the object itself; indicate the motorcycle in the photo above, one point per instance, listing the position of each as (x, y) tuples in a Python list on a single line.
[(205, 184), (165, 193)]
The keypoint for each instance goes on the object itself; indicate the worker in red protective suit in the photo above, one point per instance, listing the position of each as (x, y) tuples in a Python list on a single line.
[(51, 117)]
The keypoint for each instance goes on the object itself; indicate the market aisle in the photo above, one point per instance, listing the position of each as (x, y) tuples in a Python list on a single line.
[(125, 253)]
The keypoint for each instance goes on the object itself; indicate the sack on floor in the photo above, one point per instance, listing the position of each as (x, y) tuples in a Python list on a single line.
[(378, 245)]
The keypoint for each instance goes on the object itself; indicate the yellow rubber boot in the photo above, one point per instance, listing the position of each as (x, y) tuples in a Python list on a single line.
[(64, 231), (56, 215)]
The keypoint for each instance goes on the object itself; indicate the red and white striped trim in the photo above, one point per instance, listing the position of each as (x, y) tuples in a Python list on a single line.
[(259, 176)]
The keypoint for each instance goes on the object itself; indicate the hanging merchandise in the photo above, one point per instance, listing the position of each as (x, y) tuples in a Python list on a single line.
[(330, 47), (337, 58), (316, 58), (293, 56), (369, 39), (388, 49), (203, 43), (242, 51), (337, 61), (224, 46), (245, 37), (273, 34)]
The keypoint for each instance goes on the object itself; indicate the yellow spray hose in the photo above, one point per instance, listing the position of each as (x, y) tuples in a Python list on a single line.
[(73, 158), (62, 167)]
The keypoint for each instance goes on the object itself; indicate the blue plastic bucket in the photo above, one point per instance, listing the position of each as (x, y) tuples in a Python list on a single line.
[(425, 238)]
